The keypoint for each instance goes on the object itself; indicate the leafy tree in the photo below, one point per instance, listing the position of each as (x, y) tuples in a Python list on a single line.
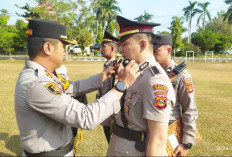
[(111, 28), (105, 11), (205, 39), (223, 43), (228, 14), (219, 26), (164, 32), (99, 35), (189, 13), (20, 35), (144, 17), (7, 40), (176, 32), (203, 11), (4, 17)]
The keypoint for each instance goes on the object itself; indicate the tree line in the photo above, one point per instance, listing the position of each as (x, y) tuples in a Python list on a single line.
[(86, 21)]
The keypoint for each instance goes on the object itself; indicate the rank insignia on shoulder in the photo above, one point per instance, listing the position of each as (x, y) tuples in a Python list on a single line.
[(143, 66), (189, 85), (53, 88), (155, 70)]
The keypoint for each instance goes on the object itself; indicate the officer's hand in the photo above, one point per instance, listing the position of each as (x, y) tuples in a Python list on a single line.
[(129, 74), (180, 151), (107, 73)]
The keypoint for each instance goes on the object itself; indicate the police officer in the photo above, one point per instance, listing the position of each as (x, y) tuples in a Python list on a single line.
[(109, 50), (181, 79), (45, 111), (141, 127)]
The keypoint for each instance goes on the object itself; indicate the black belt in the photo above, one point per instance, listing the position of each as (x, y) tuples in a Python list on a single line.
[(138, 136), (129, 134), (57, 152)]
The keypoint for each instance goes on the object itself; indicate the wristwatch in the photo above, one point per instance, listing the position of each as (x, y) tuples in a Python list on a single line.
[(121, 86), (188, 145)]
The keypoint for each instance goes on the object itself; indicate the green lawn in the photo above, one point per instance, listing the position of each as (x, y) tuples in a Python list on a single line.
[(213, 86)]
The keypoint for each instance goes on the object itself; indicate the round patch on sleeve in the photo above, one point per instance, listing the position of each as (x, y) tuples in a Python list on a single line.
[(53, 88), (160, 102)]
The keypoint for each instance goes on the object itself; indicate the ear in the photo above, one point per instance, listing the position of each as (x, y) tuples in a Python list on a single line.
[(143, 44), (169, 50), (47, 48)]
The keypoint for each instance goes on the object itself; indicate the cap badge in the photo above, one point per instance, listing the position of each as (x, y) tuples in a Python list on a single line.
[(29, 32)]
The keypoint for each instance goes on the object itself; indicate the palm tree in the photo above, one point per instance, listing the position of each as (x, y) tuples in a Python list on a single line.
[(189, 12), (203, 13), (145, 17), (228, 14), (110, 10), (105, 11)]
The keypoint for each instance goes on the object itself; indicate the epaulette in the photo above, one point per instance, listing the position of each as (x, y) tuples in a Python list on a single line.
[(155, 70), (179, 68), (109, 63)]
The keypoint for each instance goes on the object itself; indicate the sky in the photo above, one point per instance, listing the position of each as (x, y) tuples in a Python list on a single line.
[(163, 10)]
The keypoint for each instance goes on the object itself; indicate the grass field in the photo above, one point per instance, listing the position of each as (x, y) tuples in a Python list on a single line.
[(213, 86)]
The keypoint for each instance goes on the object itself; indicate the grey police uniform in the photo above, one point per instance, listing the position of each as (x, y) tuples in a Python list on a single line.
[(185, 100), (150, 97), (45, 114)]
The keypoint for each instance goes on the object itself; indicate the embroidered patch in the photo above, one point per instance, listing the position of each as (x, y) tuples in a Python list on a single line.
[(161, 96), (160, 87), (160, 102), (189, 85), (53, 88)]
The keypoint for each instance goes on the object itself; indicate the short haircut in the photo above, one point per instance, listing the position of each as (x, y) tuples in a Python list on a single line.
[(114, 45), (147, 36), (35, 45)]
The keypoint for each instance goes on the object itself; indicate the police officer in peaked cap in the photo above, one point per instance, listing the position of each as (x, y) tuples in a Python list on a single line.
[(109, 50), (182, 82), (141, 126), (45, 110)]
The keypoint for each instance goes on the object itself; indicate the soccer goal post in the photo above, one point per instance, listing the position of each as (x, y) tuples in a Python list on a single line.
[(207, 52), (189, 52)]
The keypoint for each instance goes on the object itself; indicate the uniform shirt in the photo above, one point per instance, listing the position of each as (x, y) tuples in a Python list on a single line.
[(45, 114), (150, 97), (185, 100)]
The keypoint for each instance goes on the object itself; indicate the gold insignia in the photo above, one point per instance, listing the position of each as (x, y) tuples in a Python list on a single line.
[(63, 37), (118, 27), (29, 32), (65, 82), (53, 88), (160, 102), (48, 74), (129, 32), (126, 108)]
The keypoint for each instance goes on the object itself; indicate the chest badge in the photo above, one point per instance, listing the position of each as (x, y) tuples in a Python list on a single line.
[(53, 88)]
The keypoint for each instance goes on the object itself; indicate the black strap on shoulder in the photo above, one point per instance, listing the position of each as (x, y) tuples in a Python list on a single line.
[(179, 68), (123, 116), (155, 70)]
